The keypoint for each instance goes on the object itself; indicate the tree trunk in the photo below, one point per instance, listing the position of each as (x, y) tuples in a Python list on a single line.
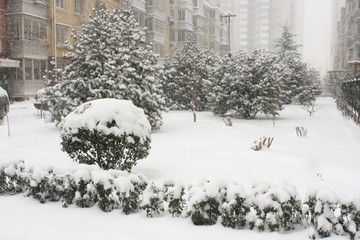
[(193, 101)]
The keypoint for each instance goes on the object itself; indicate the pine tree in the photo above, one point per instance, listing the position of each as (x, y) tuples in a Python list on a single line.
[(109, 59), (245, 85), (288, 52), (185, 77)]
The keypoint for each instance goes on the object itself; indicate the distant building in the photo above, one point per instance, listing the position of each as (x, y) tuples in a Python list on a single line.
[(347, 40), (259, 23)]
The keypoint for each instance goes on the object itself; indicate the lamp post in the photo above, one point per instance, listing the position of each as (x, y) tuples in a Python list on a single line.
[(228, 17)]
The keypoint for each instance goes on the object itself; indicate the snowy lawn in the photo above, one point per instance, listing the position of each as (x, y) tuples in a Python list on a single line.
[(188, 152)]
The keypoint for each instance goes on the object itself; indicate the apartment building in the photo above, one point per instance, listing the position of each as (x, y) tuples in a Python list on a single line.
[(347, 48), (28, 38), (259, 22), (7, 66), (36, 31)]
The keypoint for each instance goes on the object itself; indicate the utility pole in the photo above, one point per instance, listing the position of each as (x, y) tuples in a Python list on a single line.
[(228, 18)]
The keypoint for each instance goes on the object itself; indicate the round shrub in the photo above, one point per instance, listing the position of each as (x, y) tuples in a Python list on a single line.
[(111, 133)]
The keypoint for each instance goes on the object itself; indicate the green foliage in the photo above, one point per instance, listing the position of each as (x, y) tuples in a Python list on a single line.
[(174, 195), (234, 213), (109, 59), (206, 212), (153, 200), (245, 85), (185, 77), (107, 151)]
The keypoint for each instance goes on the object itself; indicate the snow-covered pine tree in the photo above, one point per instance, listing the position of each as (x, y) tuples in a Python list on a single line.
[(185, 77), (245, 85), (227, 85), (311, 90), (109, 59), (288, 52)]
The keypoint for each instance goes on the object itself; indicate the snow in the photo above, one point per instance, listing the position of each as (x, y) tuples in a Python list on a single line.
[(3, 93), (97, 114), (187, 153)]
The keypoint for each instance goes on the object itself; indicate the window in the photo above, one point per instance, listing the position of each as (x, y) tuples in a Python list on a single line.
[(14, 27), (171, 2), (27, 30), (37, 73), (182, 15), (149, 24), (79, 6), (159, 49), (61, 34), (172, 35), (149, 2), (358, 27), (34, 69), (28, 69), (60, 3), (195, 3), (212, 13), (34, 28), (181, 36), (139, 18)]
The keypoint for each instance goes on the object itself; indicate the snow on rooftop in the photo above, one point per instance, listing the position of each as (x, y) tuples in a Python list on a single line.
[(96, 114)]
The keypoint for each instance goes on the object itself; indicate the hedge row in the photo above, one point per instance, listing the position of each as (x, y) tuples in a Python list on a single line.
[(265, 208)]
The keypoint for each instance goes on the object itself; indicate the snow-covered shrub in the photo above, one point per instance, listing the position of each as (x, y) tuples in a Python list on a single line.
[(39, 184), (129, 190), (153, 199), (110, 58), (245, 85), (277, 209), (113, 134), (70, 189), (234, 209), (175, 197), (203, 204), (86, 194), (185, 77), (349, 219), (13, 180), (320, 211), (263, 142), (4, 104), (108, 199)]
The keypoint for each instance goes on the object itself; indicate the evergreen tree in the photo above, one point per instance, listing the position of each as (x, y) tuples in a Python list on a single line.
[(245, 85), (288, 52), (109, 59), (185, 77), (311, 90)]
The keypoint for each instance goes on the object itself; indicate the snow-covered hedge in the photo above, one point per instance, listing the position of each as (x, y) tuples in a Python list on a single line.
[(264, 208), (4, 104), (112, 133)]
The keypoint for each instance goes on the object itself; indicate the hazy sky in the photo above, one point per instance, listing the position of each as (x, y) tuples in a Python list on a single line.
[(317, 34)]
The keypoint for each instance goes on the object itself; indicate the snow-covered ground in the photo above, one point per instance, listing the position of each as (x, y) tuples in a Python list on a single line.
[(188, 152)]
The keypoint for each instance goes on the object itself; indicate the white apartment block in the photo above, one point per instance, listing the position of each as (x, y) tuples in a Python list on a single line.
[(258, 23)]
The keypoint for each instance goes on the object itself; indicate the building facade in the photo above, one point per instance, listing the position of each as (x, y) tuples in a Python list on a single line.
[(34, 32), (347, 44), (258, 23)]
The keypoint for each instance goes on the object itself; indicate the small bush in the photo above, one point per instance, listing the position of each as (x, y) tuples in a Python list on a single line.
[(113, 137), (204, 204), (153, 200)]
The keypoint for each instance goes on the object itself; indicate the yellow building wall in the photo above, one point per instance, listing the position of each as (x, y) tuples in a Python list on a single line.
[(72, 20)]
